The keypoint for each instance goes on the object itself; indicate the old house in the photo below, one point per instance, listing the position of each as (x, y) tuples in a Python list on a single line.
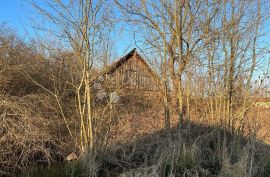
[(130, 72)]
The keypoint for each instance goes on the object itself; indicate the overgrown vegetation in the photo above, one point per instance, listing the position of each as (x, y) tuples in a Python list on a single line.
[(203, 122)]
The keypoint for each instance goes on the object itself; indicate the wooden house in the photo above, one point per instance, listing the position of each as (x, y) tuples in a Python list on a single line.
[(130, 72)]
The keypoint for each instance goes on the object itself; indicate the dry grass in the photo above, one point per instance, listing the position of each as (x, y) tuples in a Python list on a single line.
[(130, 139), (263, 118), (25, 139), (138, 145)]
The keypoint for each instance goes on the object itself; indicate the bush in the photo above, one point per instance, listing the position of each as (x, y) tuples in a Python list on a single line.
[(31, 132)]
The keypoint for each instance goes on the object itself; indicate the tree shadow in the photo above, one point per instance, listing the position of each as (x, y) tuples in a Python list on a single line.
[(146, 150)]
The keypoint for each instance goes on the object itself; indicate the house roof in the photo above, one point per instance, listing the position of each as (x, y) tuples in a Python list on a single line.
[(110, 69), (113, 67)]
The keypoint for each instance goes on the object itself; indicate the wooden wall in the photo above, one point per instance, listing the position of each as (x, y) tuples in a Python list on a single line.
[(134, 74)]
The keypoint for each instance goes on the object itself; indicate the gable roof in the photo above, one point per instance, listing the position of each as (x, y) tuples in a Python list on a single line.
[(115, 65)]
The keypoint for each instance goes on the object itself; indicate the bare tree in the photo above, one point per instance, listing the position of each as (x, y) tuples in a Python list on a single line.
[(82, 24), (174, 28)]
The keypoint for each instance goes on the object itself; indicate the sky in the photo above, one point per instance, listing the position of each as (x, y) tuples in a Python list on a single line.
[(16, 14), (11, 11)]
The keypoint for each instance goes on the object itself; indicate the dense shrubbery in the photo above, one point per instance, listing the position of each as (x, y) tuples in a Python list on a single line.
[(38, 105), (34, 136), (32, 129)]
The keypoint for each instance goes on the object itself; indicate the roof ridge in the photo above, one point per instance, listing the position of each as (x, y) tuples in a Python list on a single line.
[(113, 66)]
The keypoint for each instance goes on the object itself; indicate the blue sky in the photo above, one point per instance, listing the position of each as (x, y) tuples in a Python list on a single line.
[(12, 12), (16, 14)]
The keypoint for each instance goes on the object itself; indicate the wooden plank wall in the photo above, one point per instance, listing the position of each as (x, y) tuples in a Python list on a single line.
[(134, 74)]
